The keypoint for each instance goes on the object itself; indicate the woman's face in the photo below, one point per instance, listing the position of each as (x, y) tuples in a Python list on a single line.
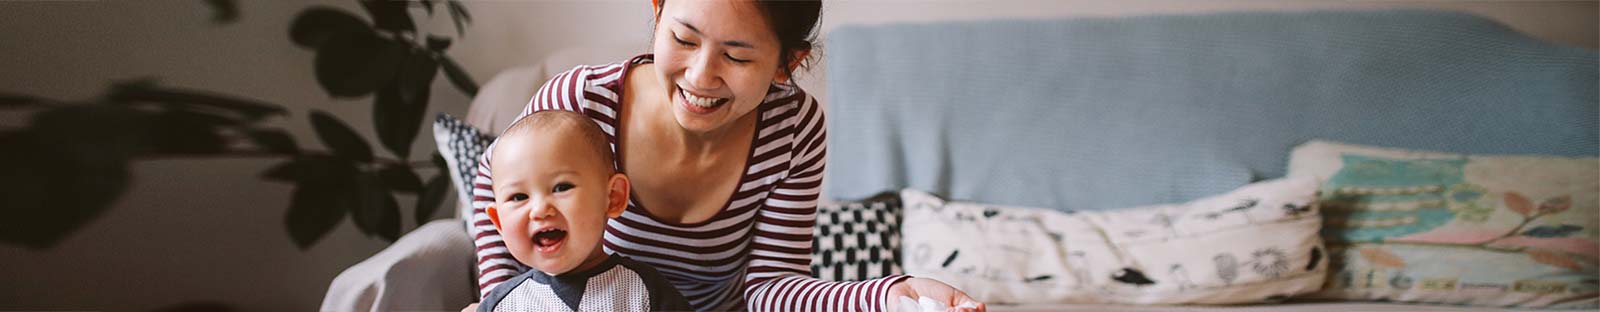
[(717, 59)]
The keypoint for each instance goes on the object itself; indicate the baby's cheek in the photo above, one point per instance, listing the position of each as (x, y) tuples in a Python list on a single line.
[(591, 236)]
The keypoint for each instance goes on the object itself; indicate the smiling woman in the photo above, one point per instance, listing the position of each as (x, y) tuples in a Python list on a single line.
[(725, 155)]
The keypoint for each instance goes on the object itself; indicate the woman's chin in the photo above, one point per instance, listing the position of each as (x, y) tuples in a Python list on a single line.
[(695, 123)]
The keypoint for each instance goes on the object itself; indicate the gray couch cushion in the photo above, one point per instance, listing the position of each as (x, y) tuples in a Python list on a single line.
[(1101, 113)]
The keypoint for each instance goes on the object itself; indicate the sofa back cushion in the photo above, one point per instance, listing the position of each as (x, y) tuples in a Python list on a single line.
[(1098, 113)]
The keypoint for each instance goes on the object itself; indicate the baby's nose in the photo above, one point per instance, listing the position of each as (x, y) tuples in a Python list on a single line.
[(542, 210)]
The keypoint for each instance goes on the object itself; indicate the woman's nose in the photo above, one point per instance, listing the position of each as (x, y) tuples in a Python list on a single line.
[(702, 72)]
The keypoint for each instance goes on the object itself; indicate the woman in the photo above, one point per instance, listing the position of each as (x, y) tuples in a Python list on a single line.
[(726, 158)]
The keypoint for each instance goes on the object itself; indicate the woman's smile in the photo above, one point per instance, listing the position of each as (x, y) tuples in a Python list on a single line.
[(699, 104)]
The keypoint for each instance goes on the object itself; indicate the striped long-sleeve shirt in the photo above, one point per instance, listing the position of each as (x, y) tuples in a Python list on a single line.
[(754, 254)]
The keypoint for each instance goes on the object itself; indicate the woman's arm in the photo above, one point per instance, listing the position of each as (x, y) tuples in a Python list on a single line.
[(778, 278), (495, 264)]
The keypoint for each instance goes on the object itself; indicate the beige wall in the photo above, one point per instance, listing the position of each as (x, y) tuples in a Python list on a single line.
[(193, 229), (205, 229), (518, 39)]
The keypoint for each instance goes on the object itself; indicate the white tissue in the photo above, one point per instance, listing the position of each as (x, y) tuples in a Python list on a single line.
[(923, 304), (928, 304), (906, 304)]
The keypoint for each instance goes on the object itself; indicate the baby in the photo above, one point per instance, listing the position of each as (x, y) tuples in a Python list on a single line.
[(554, 188)]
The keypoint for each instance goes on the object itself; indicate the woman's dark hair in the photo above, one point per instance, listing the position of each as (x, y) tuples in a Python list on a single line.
[(794, 21)]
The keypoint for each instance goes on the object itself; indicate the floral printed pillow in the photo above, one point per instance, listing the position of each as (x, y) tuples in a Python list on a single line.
[(1513, 231)]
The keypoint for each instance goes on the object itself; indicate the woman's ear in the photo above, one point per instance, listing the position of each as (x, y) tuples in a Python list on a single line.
[(494, 216), (617, 197), (792, 64)]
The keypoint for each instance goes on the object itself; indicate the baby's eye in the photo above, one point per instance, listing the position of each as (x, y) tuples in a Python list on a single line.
[(518, 197), (562, 187)]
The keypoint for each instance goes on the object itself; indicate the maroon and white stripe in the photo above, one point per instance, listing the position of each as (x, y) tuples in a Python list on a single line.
[(754, 254)]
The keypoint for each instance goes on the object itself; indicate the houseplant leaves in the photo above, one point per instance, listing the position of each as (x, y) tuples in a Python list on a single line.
[(65, 169), (400, 178), (188, 133), (390, 15), (237, 108), (72, 162), (398, 109), (458, 14), (458, 77), (340, 137), (354, 64), (18, 100), (316, 25), (376, 211), (273, 141), (432, 197), (325, 189)]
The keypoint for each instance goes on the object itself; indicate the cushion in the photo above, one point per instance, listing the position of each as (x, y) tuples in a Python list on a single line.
[(1513, 231), (857, 240), (460, 144), (1257, 243)]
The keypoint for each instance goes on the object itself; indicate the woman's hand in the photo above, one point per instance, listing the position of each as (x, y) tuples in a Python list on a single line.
[(470, 308), (917, 287)]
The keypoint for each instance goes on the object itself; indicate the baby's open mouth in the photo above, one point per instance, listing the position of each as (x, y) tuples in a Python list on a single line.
[(548, 239)]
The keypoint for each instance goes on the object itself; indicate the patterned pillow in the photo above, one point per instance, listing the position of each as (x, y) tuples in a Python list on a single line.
[(1512, 231), (1258, 243), (857, 240), (461, 144)]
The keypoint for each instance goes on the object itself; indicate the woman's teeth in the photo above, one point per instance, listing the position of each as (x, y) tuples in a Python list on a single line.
[(701, 101)]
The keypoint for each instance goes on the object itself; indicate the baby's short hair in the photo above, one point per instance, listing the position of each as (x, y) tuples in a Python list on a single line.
[(574, 123)]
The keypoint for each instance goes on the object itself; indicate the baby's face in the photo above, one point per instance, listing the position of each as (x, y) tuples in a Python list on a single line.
[(551, 201)]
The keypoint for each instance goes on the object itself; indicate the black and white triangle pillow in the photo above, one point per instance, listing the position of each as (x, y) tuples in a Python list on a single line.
[(460, 144)]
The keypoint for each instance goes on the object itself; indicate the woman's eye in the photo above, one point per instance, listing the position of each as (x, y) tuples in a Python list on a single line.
[(735, 60), (519, 197), (683, 42), (561, 187)]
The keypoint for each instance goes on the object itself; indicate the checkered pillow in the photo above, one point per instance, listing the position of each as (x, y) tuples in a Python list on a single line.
[(857, 240), (461, 144)]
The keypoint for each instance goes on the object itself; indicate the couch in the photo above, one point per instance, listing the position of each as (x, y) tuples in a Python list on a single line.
[(1101, 113)]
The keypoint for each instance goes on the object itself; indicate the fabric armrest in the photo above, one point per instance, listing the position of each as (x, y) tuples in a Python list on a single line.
[(427, 269)]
